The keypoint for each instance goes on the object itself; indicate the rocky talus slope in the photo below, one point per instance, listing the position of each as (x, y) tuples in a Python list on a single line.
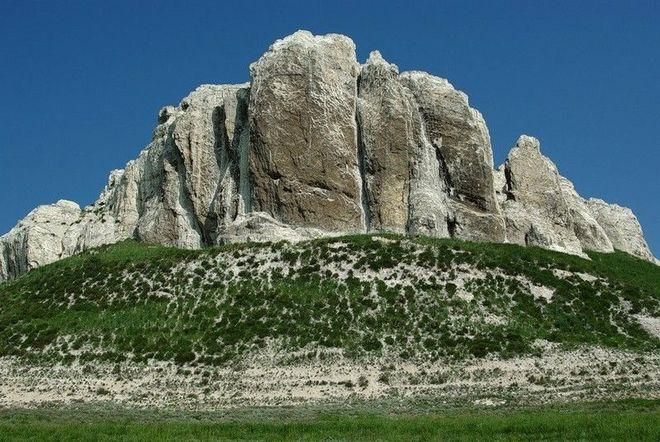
[(315, 145)]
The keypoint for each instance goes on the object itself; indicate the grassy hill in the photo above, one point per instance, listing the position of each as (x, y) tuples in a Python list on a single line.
[(418, 298)]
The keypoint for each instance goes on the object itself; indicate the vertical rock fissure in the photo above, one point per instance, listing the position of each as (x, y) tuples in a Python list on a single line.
[(443, 169), (221, 141), (222, 201), (242, 136), (508, 189), (361, 157), (452, 225)]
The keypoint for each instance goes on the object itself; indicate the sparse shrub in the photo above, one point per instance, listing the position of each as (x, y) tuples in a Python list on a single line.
[(184, 357), (102, 391)]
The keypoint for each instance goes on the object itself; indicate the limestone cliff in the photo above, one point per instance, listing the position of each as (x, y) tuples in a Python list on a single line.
[(317, 144)]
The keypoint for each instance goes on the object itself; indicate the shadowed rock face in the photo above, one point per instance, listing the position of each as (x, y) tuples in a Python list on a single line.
[(318, 145), (389, 137)]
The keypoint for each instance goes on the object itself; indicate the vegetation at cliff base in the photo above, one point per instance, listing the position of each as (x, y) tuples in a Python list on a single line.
[(416, 298)]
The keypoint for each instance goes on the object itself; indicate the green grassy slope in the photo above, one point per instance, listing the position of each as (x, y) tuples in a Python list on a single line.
[(413, 297)]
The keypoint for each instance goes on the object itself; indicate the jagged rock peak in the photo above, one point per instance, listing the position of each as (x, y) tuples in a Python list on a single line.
[(528, 142), (317, 144), (305, 37), (541, 207), (622, 228), (375, 58)]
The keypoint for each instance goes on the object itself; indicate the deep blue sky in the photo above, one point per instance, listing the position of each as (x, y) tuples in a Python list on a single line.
[(81, 81)]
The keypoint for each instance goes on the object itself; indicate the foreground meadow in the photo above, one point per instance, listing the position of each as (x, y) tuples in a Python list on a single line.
[(626, 420)]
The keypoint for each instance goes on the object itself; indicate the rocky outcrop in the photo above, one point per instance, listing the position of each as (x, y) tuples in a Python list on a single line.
[(38, 239), (184, 186), (388, 119), (588, 231), (303, 155), (317, 145), (621, 227), (461, 144), (541, 207), (536, 211), (404, 187)]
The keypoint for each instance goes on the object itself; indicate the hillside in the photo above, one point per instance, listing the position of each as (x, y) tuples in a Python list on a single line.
[(354, 317)]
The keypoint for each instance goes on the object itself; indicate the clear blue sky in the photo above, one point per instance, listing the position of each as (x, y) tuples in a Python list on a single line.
[(81, 81)]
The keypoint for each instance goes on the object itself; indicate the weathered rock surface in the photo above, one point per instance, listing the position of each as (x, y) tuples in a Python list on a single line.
[(386, 116), (536, 211), (541, 207), (590, 234), (37, 240), (404, 189), (462, 147), (303, 159), (622, 228), (318, 145)]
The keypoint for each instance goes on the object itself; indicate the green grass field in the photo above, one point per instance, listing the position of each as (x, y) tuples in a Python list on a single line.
[(628, 420)]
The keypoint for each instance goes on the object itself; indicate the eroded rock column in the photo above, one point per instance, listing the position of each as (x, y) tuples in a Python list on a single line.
[(462, 147), (304, 167)]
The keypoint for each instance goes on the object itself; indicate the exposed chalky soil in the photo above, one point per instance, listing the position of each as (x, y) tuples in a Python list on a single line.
[(330, 319)]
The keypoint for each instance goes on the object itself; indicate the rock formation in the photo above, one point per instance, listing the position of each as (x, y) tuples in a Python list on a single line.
[(303, 155), (621, 227), (461, 144), (317, 144), (536, 210), (38, 239)]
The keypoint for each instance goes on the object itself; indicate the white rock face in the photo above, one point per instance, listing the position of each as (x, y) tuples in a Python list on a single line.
[(541, 207), (318, 145), (590, 234), (303, 130), (462, 147), (261, 227), (622, 228), (536, 210), (404, 189), (38, 239)]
